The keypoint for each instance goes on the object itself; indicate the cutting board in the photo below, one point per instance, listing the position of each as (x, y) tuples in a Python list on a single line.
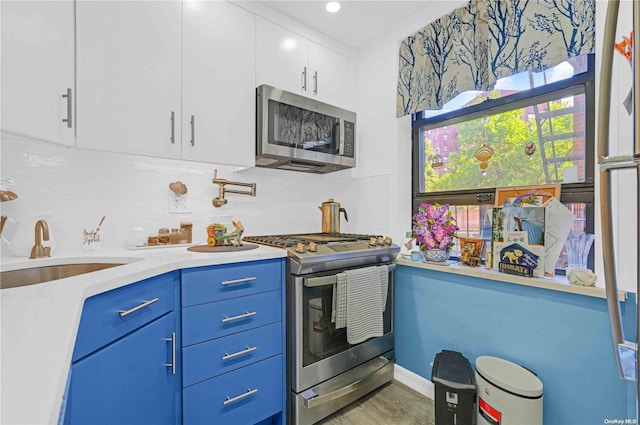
[(222, 248)]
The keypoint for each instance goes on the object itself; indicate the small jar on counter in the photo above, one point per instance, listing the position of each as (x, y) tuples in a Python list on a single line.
[(163, 236), (187, 229), (177, 236)]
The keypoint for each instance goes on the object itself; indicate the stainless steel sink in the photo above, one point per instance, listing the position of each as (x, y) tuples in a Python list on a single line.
[(33, 275)]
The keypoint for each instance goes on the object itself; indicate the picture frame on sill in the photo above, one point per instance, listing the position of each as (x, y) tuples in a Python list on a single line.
[(546, 191), (471, 250)]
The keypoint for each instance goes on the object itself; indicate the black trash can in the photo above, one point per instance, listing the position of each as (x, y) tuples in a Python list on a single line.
[(455, 389)]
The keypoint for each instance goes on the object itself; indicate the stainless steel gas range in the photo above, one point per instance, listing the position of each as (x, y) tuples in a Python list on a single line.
[(328, 364)]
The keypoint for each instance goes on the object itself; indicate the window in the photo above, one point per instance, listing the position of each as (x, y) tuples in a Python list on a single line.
[(531, 129)]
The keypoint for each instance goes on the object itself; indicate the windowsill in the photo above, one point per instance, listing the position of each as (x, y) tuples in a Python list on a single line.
[(557, 283)]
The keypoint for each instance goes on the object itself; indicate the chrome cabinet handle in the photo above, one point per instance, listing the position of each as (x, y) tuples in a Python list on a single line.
[(193, 130), (248, 350), (144, 304), (304, 79), (238, 317), (173, 127), (315, 82), (249, 392), (68, 120), (232, 282), (172, 365)]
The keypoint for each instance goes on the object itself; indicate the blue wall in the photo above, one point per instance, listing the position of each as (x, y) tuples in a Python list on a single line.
[(564, 338)]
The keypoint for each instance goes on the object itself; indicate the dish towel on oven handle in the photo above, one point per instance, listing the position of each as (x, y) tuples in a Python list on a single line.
[(359, 302), (339, 309)]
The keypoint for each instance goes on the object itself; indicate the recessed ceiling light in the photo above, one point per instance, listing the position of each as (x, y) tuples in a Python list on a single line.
[(332, 6)]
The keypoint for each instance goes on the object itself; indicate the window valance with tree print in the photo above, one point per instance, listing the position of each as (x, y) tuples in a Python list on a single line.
[(475, 45)]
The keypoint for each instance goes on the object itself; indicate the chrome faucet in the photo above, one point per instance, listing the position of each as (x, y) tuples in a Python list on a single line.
[(42, 233)]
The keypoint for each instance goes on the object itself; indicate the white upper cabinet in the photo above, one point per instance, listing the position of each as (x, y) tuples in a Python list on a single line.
[(329, 75), (218, 83), (167, 78), (128, 76), (293, 63), (38, 69)]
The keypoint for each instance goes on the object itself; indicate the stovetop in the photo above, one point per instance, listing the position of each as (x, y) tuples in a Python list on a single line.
[(313, 252), (287, 241)]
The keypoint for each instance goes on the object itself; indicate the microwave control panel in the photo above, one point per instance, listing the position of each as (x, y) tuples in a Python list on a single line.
[(349, 139)]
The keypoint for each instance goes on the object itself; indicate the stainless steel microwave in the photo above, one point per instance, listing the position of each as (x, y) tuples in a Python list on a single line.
[(298, 133)]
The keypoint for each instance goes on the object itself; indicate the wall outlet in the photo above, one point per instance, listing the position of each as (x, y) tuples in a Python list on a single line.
[(180, 204)]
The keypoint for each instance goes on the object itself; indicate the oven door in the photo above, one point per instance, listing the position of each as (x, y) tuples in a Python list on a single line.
[(319, 351)]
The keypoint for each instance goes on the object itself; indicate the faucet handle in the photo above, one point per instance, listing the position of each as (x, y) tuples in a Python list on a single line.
[(47, 251)]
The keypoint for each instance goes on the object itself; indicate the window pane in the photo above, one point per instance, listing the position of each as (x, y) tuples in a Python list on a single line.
[(542, 143)]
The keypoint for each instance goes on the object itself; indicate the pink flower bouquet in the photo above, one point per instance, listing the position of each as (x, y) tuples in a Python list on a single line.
[(434, 226)]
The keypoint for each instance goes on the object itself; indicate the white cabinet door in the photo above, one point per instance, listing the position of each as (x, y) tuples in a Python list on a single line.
[(218, 83), (288, 61), (282, 58), (128, 76), (329, 75), (37, 69)]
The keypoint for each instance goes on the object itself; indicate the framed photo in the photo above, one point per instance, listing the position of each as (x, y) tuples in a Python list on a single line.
[(471, 251), (545, 192)]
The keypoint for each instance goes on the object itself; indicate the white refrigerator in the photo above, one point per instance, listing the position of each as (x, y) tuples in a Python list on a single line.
[(618, 157)]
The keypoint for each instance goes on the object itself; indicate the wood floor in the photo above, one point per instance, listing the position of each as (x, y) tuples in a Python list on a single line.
[(391, 404)]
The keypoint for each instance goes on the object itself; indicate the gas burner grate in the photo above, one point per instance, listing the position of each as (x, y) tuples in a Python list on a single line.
[(287, 241)]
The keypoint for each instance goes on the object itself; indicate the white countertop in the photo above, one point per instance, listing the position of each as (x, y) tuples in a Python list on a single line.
[(40, 322)]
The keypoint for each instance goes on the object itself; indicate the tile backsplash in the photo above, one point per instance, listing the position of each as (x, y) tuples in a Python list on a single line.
[(72, 189)]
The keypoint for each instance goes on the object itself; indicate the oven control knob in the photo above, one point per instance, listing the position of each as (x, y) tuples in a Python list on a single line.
[(387, 240), (380, 240), (312, 247), (373, 241), (300, 248)]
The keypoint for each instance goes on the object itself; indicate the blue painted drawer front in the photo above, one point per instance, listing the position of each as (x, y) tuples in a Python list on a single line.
[(101, 322), (204, 322), (205, 360), (206, 284), (203, 402)]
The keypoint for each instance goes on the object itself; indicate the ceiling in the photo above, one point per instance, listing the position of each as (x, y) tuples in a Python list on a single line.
[(357, 23)]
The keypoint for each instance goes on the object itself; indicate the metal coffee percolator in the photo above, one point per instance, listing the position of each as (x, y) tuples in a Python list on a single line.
[(331, 216)]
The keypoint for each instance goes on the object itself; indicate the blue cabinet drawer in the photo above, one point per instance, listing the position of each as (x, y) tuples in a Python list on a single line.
[(110, 315), (244, 396), (222, 355), (214, 320), (206, 284)]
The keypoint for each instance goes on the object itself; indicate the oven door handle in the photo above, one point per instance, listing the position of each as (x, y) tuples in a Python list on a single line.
[(312, 282), (311, 399)]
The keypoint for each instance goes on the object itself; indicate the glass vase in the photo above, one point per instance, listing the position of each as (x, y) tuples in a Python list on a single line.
[(578, 246)]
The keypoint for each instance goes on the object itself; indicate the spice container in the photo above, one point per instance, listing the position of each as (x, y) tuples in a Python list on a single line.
[(187, 228), (163, 236), (177, 236)]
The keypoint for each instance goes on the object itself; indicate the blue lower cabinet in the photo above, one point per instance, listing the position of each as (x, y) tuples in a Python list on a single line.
[(245, 396), (130, 381)]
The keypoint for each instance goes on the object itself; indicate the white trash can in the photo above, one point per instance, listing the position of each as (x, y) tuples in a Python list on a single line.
[(508, 394)]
